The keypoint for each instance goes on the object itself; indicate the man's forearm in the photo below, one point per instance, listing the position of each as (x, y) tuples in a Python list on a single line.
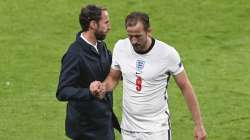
[(110, 83), (112, 80), (193, 104)]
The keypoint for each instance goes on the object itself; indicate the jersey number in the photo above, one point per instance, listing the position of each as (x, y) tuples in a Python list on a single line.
[(138, 83)]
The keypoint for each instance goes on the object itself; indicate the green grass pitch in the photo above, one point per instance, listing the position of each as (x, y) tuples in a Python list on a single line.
[(212, 36)]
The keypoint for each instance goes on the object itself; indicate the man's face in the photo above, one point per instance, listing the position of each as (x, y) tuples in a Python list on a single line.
[(103, 26), (138, 37)]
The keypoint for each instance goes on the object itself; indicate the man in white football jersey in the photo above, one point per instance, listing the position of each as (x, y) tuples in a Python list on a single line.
[(146, 64)]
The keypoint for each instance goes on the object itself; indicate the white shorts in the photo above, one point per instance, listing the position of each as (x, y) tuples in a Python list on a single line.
[(161, 135)]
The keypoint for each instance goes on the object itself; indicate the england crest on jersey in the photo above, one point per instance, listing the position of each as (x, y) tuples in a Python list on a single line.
[(139, 66)]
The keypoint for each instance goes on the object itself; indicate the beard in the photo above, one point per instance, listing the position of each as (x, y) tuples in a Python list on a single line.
[(139, 48), (100, 35)]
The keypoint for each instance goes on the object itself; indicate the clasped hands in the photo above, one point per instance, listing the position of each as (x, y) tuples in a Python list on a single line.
[(97, 89)]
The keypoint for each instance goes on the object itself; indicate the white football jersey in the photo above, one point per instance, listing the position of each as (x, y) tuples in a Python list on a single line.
[(145, 79)]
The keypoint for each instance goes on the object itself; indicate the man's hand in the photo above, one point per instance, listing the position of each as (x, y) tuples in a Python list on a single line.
[(97, 89), (200, 133), (101, 91)]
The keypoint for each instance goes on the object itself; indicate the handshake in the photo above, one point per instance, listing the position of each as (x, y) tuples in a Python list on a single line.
[(97, 89)]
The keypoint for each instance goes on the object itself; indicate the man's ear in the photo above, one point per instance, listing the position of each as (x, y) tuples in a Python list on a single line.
[(149, 32), (93, 24)]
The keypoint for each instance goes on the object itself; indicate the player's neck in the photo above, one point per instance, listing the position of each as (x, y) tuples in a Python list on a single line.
[(148, 46), (90, 37), (148, 43)]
